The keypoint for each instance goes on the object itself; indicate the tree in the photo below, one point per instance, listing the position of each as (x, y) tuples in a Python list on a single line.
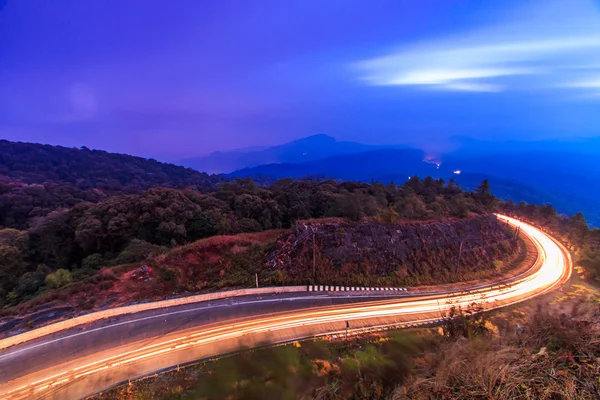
[(29, 283), (14, 246), (202, 225), (578, 229), (54, 238), (89, 233), (353, 207), (483, 189), (484, 194), (595, 240)]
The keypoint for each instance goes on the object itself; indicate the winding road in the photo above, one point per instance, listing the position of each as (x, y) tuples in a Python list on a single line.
[(81, 361)]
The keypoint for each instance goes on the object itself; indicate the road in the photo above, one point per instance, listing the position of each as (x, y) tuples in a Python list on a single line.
[(78, 362)]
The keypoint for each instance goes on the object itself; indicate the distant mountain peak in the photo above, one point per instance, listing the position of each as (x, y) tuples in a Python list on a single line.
[(320, 138), (310, 148)]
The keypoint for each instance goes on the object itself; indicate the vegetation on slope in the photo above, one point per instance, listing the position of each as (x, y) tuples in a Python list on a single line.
[(207, 265), (85, 169), (231, 262), (130, 228)]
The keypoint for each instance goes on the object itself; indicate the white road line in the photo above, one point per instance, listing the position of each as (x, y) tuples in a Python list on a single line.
[(11, 353)]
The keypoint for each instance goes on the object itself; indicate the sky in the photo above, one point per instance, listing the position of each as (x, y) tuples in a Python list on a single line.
[(182, 78)]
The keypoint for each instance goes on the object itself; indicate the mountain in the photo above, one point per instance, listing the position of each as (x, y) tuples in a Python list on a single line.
[(566, 177), (562, 168), (307, 149), (569, 181), (381, 165), (467, 146), (32, 163), (506, 189)]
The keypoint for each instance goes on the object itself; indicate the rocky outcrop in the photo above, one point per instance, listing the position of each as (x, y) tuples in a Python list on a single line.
[(419, 252)]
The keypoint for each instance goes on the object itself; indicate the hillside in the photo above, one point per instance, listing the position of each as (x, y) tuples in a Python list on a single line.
[(408, 254), (37, 179), (399, 254), (33, 163), (121, 229), (306, 149)]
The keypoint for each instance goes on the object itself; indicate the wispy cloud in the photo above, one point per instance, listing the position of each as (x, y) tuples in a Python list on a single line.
[(553, 43), (593, 84)]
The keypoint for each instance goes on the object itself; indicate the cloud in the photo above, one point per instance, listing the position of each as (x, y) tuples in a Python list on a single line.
[(551, 42), (593, 84), (473, 87)]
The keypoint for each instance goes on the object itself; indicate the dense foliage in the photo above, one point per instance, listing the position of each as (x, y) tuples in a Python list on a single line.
[(36, 179), (21, 203), (86, 169)]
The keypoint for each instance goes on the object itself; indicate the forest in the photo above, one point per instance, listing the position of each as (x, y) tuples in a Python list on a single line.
[(65, 213), (121, 229), (86, 169)]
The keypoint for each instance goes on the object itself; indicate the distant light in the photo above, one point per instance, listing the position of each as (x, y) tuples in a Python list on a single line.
[(457, 172), (409, 177)]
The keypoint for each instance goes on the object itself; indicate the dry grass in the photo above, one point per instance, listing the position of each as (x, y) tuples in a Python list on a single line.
[(556, 357)]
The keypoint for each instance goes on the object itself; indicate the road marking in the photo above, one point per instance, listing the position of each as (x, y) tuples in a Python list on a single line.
[(317, 297)]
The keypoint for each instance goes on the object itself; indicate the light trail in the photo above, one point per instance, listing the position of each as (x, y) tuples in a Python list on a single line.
[(554, 269)]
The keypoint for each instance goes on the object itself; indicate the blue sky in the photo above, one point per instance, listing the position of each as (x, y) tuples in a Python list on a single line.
[(174, 79)]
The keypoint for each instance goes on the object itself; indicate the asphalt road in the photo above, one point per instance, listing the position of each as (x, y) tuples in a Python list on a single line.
[(78, 362)]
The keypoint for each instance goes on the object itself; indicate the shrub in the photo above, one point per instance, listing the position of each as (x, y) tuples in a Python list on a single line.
[(92, 261), (29, 283), (58, 279), (249, 225), (498, 265), (388, 216), (83, 274), (138, 250)]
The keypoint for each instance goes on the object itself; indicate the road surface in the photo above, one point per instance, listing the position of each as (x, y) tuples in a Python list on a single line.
[(79, 362)]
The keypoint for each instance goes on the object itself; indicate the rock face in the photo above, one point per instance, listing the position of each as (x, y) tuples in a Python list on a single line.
[(402, 253)]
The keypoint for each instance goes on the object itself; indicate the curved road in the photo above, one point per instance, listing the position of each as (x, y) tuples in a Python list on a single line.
[(78, 362)]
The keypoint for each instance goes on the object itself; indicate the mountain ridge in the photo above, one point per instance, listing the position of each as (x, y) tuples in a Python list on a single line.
[(306, 149), (34, 163), (511, 177)]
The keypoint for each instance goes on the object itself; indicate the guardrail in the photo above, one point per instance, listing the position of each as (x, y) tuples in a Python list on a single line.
[(329, 288), (113, 312)]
